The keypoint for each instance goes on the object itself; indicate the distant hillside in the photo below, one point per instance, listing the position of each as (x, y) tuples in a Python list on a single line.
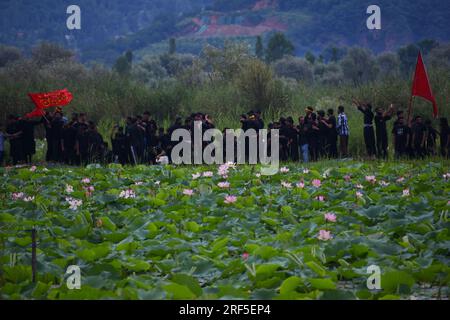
[(111, 27)]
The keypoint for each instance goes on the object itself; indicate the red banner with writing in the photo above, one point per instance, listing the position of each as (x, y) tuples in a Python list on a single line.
[(42, 101)]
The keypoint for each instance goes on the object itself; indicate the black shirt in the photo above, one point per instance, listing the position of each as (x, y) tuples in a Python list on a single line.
[(368, 115), (380, 124)]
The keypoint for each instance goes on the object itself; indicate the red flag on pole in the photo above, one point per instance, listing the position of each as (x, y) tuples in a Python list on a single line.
[(42, 101), (421, 85)]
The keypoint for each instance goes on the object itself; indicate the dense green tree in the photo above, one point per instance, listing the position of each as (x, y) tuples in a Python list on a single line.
[(310, 57), (124, 64), (256, 82), (359, 66), (408, 58), (278, 47), (295, 68), (389, 65), (259, 48), (9, 54), (427, 45), (46, 53)]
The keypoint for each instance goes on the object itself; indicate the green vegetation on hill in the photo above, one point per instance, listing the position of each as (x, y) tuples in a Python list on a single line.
[(111, 27)]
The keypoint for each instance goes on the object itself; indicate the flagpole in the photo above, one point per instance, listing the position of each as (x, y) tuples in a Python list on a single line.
[(411, 100)]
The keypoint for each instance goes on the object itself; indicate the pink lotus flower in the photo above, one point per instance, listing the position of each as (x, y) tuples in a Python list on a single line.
[(223, 185), (406, 193), (400, 180), (324, 235), (208, 174), (359, 194), (446, 176), (74, 203), (316, 183), (127, 194), (86, 180), (286, 184), (300, 185), (284, 170), (371, 179), (89, 190), (320, 198), (188, 192), (33, 169), (69, 188), (347, 178), (330, 217), (195, 176), (230, 199), (224, 168), (245, 255), (28, 199), (17, 195)]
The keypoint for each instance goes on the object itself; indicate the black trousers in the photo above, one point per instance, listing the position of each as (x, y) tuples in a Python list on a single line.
[(369, 140), (382, 145)]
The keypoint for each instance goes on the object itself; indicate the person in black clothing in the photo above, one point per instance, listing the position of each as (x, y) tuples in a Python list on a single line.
[(332, 136), (135, 134), (313, 136), (418, 137), (69, 136), (324, 128), (95, 144), (14, 134), (47, 120), (81, 127), (401, 133), (369, 135), (56, 137), (284, 140), (82, 145), (259, 119), (151, 140), (120, 146), (430, 140), (381, 117), (303, 129), (444, 137), (28, 141), (291, 133)]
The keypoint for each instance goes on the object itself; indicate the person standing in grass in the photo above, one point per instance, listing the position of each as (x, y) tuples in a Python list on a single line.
[(303, 132), (14, 134), (332, 135), (431, 137), (381, 117), (343, 132), (401, 133), (369, 134), (418, 137)]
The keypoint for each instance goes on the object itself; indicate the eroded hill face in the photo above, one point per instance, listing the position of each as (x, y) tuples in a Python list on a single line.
[(111, 27)]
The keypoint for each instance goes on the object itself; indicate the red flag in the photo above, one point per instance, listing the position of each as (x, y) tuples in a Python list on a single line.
[(57, 98), (35, 113), (421, 85)]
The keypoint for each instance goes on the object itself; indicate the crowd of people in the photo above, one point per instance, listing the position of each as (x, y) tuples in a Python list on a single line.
[(316, 135)]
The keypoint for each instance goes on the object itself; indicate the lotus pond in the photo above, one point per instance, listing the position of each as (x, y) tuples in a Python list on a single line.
[(211, 232)]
